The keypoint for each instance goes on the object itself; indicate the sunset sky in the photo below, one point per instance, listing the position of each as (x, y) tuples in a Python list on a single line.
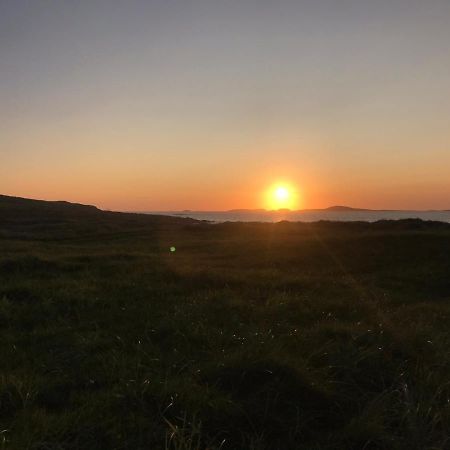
[(184, 104)]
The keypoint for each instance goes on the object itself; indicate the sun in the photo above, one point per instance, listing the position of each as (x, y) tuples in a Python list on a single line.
[(281, 196)]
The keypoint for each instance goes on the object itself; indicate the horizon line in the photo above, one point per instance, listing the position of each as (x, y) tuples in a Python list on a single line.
[(332, 208)]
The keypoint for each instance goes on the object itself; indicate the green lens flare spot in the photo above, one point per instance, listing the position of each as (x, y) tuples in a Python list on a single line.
[(172, 249)]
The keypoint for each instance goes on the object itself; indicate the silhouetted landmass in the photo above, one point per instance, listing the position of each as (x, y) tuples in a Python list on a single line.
[(20, 217), (18, 205), (128, 331), (285, 210), (344, 208), (341, 208), (244, 210)]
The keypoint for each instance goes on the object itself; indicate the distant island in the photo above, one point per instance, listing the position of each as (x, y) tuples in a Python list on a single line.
[(342, 208)]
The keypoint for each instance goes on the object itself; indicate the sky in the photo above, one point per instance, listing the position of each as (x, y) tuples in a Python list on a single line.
[(204, 104)]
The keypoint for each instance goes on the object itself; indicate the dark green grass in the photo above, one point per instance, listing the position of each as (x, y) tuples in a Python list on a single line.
[(286, 336)]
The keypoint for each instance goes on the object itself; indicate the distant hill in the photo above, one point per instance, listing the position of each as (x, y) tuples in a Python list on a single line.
[(23, 217), (244, 210), (21, 204), (344, 208)]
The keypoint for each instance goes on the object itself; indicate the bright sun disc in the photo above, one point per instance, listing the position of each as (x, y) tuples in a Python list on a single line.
[(281, 196), (281, 193)]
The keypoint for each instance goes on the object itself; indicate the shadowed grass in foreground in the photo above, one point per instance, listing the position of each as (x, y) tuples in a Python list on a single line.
[(258, 336)]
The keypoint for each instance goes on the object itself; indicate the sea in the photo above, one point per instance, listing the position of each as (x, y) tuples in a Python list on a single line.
[(307, 215)]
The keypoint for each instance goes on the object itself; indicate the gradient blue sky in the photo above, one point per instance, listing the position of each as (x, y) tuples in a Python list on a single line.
[(141, 105)]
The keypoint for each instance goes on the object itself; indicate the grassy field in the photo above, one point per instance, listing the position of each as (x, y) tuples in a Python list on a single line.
[(246, 337)]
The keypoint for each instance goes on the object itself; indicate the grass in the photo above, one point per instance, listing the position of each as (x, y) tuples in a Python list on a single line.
[(248, 336)]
